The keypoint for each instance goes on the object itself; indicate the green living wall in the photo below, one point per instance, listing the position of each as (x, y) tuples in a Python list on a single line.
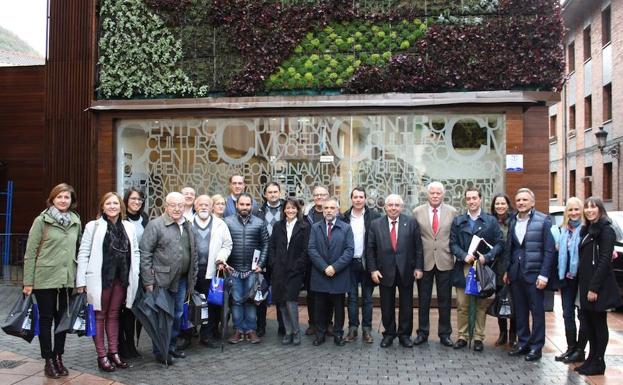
[(196, 48)]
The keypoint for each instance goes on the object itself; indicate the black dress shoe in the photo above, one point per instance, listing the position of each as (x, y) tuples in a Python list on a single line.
[(405, 342), (478, 346), (460, 344), (519, 351), (387, 341), (208, 343), (177, 354), (446, 341), (339, 341), (420, 339), (318, 341), (170, 360), (533, 355)]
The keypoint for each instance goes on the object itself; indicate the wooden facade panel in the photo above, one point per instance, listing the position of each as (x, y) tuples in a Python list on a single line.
[(536, 156), (22, 118), (72, 155)]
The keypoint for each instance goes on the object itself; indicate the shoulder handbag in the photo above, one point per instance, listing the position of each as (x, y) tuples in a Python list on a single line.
[(486, 277)]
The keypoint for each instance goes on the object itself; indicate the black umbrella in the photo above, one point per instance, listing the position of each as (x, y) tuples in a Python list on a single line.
[(225, 311), (155, 311)]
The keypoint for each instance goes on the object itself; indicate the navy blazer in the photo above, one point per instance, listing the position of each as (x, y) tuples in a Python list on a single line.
[(487, 228), (337, 253)]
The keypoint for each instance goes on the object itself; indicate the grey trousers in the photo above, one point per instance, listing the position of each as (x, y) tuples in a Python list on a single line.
[(290, 315)]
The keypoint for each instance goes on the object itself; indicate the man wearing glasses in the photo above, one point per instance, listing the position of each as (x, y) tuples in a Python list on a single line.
[(314, 214), (169, 260)]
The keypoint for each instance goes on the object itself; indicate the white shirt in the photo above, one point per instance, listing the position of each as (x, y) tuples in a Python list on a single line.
[(474, 217), (358, 226), (180, 223), (289, 228), (521, 227), (397, 220), (189, 215)]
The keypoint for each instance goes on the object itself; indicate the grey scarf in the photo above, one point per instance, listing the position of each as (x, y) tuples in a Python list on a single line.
[(64, 219)]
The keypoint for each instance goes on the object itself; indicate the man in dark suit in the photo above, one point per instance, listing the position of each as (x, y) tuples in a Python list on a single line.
[(331, 248), (529, 255), (394, 259)]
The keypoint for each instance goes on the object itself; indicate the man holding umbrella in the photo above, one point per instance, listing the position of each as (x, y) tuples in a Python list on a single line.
[(169, 263), (474, 223)]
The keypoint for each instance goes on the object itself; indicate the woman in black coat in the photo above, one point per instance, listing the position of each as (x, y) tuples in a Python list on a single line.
[(598, 290), (288, 260)]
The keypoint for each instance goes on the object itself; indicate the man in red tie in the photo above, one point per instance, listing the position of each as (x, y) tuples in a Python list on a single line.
[(435, 220), (394, 260)]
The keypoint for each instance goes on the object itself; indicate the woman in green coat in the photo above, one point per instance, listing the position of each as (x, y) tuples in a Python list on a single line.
[(50, 270)]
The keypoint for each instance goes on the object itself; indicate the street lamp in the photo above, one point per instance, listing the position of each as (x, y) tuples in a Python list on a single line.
[(612, 150)]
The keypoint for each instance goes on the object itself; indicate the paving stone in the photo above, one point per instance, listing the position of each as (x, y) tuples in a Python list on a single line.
[(271, 363)]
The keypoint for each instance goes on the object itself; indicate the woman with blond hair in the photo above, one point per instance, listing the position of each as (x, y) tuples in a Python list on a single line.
[(50, 270), (567, 239), (218, 205), (108, 269)]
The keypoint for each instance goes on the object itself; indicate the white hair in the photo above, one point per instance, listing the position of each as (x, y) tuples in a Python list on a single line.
[(172, 195), (436, 184), (395, 197)]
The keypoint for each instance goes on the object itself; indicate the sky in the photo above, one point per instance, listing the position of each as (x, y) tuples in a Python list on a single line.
[(26, 19)]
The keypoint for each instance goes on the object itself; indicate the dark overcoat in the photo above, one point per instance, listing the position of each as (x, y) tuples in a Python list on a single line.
[(337, 253), (288, 262), (595, 268)]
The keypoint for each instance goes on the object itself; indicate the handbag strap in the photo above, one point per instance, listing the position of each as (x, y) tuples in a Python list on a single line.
[(44, 236)]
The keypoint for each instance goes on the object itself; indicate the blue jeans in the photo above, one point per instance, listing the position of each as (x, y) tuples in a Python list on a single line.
[(179, 298), (243, 312), (353, 302), (567, 295)]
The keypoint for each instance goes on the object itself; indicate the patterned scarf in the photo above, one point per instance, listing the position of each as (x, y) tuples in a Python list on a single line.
[(64, 219)]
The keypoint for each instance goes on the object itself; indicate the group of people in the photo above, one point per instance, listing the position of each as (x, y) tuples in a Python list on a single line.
[(332, 256)]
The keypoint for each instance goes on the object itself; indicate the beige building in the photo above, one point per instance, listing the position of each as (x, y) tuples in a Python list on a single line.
[(591, 106)]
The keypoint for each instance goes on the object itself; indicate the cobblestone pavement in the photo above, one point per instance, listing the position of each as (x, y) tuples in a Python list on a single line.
[(355, 363)]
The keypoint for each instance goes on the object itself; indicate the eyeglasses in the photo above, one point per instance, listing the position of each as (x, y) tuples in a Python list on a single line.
[(139, 200), (175, 206)]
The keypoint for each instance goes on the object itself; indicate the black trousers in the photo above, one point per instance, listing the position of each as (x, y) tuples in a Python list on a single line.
[(52, 304), (214, 311), (597, 331), (324, 305), (443, 280), (405, 308)]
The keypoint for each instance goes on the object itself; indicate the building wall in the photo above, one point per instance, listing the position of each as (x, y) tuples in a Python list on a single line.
[(577, 150), (22, 123)]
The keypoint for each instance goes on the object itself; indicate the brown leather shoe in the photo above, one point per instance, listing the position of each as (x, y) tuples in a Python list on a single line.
[(352, 335), (310, 331), (253, 338), (237, 337), (367, 338), (50, 370), (60, 367)]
